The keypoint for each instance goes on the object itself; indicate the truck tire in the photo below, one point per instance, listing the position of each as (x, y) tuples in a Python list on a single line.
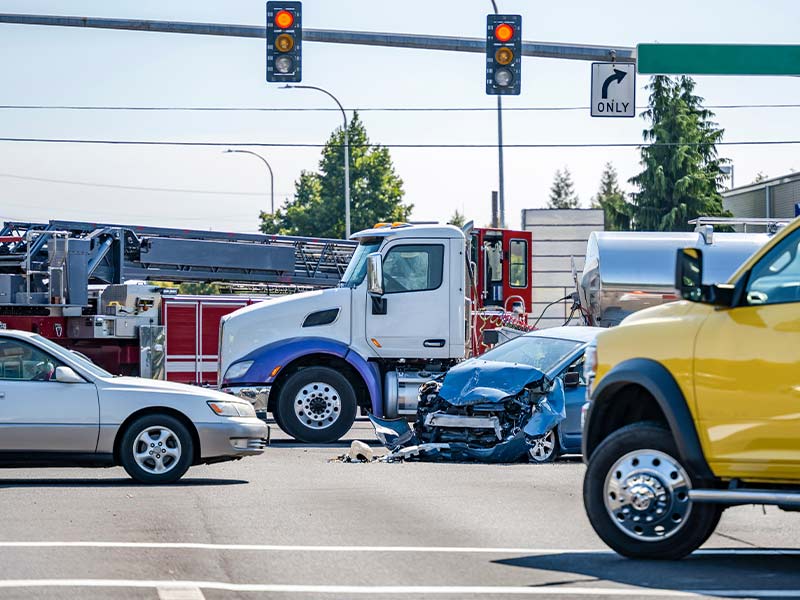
[(635, 493), (317, 405), (156, 449)]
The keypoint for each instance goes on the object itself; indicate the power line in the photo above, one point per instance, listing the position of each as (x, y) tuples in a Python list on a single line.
[(418, 146), (128, 187), (361, 109)]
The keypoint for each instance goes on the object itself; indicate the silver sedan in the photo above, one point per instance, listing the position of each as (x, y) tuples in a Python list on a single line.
[(59, 409)]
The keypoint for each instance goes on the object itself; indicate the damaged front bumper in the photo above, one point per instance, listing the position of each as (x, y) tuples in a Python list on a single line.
[(483, 411)]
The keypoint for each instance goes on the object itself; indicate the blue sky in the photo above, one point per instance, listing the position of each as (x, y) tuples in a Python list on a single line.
[(50, 66)]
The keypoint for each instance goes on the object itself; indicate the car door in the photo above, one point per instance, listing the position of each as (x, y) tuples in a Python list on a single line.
[(412, 319), (38, 413), (747, 372), (574, 398)]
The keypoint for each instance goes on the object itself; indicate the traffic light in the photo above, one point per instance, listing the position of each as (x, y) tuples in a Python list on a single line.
[(284, 41), (503, 54)]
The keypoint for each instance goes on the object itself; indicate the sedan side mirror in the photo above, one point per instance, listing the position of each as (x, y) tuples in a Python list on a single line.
[(67, 375), (375, 274), (572, 379)]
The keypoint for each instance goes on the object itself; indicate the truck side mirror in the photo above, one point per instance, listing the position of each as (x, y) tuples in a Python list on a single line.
[(689, 281), (375, 274), (689, 274)]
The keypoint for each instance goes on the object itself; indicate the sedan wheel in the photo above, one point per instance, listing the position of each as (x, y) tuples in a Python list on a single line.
[(545, 448), (156, 449)]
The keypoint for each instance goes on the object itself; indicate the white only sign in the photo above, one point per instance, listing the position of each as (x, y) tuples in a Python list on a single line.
[(613, 90)]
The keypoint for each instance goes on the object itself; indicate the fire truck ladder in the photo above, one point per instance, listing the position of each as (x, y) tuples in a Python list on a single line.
[(94, 253)]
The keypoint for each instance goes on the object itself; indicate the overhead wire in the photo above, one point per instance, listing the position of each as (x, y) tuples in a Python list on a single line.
[(359, 109), (129, 187), (390, 145)]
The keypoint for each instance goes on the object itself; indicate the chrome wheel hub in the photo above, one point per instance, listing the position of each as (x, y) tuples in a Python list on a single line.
[(647, 495), (543, 447), (157, 450), (317, 405)]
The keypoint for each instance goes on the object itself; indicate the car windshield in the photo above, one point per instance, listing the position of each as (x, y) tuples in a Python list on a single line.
[(357, 269), (73, 357), (539, 352)]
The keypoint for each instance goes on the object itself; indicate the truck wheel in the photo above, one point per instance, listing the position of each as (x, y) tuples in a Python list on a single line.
[(156, 449), (636, 496), (316, 405)]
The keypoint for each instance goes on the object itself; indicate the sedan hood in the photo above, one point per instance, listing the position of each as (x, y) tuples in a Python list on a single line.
[(155, 386), (479, 381)]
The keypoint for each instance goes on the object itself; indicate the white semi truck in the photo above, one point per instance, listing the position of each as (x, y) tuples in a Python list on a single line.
[(398, 318)]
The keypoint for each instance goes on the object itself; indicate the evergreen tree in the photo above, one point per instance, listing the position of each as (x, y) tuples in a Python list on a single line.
[(612, 200), (562, 192), (458, 219), (681, 173), (376, 191)]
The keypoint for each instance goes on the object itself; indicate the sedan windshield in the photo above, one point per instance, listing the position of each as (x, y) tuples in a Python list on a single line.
[(357, 269), (539, 352), (73, 357)]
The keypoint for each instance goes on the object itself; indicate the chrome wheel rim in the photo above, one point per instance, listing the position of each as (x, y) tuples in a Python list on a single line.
[(157, 450), (318, 405), (542, 449), (647, 495)]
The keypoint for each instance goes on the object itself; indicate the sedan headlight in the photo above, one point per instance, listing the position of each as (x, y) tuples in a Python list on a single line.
[(232, 409), (238, 369)]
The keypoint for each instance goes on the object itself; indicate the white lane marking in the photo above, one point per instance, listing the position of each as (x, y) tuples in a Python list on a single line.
[(179, 593), (420, 590), (387, 549)]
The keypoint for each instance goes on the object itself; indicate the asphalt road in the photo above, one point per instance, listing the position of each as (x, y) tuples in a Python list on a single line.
[(291, 524)]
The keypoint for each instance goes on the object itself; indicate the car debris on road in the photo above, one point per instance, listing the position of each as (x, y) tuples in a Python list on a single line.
[(483, 411)]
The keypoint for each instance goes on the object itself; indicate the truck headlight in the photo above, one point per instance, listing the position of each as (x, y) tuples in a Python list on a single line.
[(237, 370), (232, 409)]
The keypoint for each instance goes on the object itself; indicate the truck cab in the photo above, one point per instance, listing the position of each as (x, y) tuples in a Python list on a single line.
[(694, 405), (396, 319)]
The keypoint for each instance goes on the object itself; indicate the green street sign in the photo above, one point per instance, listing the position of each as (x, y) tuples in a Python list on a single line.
[(718, 59)]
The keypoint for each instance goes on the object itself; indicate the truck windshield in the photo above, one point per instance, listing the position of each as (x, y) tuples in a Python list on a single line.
[(357, 269)]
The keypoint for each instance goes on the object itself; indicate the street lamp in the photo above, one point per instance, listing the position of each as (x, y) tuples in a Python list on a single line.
[(271, 176), (346, 152)]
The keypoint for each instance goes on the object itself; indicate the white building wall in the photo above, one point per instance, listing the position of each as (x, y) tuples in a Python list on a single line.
[(558, 236)]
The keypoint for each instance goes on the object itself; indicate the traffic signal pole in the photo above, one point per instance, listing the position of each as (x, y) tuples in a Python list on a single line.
[(500, 171)]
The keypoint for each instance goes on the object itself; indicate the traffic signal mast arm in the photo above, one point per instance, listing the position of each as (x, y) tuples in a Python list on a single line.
[(621, 54)]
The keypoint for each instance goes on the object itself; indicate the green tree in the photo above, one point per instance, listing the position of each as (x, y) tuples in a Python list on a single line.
[(681, 172), (611, 199), (562, 192), (458, 219), (317, 209)]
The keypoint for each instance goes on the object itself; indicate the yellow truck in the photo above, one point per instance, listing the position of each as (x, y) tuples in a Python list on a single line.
[(694, 406)]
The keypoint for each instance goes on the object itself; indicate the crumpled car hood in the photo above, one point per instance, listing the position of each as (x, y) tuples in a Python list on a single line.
[(476, 381)]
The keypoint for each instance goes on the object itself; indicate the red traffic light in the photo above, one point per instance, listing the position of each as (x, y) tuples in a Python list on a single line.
[(503, 32), (284, 19)]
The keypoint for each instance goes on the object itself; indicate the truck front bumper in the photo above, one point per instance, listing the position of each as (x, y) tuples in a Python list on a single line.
[(257, 395), (232, 438)]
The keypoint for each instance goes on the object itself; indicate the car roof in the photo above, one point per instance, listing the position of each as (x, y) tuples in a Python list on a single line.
[(17, 333), (576, 334)]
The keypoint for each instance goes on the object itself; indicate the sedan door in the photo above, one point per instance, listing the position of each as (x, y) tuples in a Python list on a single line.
[(37, 413)]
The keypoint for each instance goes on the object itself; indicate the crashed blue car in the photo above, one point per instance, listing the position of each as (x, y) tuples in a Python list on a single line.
[(500, 407)]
